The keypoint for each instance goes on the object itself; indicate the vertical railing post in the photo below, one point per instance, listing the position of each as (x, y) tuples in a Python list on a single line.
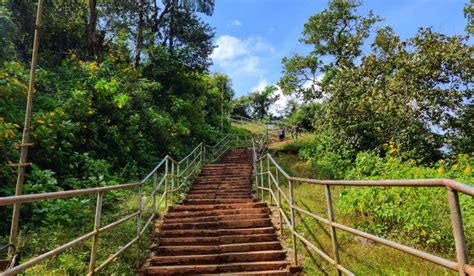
[(335, 246), (255, 169), (458, 229), (25, 141), (95, 238), (269, 181), (166, 183), (172, 183), (261, 177), (200, 154), (155, 187), (293, 223), (279, 205), (178, 178), (139, 221)]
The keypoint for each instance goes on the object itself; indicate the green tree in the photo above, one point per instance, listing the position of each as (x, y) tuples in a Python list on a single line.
[(404, 91), (336, 34), (261, 101)]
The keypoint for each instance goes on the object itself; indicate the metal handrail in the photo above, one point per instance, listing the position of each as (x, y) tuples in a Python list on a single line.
[(170, 182), (265, 180)]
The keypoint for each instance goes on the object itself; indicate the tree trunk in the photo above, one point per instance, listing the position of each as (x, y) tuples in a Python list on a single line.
[(91, 28), (140, 26)]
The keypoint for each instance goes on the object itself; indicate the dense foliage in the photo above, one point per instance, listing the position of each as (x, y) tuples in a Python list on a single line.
[(416, 92), (256, 104), (404, 110), (119, 85)]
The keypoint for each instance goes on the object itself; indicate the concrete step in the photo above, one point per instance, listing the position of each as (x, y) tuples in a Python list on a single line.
[(254, 256), (201, 201), (220, 229), (217, 212), (217, 240), (215, 233), (217, 268), (248, 223), (204, 207), (216, 218)]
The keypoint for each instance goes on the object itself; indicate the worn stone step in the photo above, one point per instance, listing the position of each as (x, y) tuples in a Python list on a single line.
[(216, 218), (216, 240), (254, 256), (217, 206), (214, 233), (258, 273), (214, 196), (220, 229), (248, 223), (224, 212), (251, 223), (216, 268), (254, 246), (218, 201), (171, 250), (246, 231), (190, 225)]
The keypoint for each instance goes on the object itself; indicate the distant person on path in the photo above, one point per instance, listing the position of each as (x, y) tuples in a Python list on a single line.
[(281, 134)]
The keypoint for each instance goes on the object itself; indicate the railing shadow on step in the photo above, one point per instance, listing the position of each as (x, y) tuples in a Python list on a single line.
[(269, 176), (163, 182)]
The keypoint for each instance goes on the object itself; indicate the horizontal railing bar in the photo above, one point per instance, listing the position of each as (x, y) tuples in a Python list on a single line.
[(321, 253), (277, 166), (47, 255), (118, 222), (433, 182), (113, 256), (415, 252), (278, 187), (190, 165), (222, 145), (154, 170), (171, 159), (321, 219), (412, 251), (186, 178), (187, 156), (147, 223), (9, 200), (218, 143), (150, 197)]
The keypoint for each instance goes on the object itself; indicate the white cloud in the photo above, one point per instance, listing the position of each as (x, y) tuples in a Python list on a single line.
[(235, 23), (278, 108), (260, 86), (240, 57), (281, 104)]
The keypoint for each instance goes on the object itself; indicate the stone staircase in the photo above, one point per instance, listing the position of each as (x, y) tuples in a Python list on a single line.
[(219, 229)]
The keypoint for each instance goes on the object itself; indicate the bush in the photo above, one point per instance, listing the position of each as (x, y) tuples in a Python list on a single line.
[(419, 215)]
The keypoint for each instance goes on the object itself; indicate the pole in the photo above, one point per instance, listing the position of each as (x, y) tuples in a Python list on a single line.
[(335, 246), (293, 224), (26, 133), (458, 230), (222, 107)]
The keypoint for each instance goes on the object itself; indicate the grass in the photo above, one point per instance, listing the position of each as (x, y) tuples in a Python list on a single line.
[(252, 127), (117, 204), (358, 255)]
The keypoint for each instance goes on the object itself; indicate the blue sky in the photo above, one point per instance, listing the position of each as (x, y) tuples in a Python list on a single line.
[(254, 35)]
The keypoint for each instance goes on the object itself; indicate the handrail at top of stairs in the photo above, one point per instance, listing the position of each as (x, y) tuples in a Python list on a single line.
[(269, 174), (173, 176)]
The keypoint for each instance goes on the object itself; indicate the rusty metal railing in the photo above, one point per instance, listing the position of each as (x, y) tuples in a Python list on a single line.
[(176, 176), (268, 179)]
